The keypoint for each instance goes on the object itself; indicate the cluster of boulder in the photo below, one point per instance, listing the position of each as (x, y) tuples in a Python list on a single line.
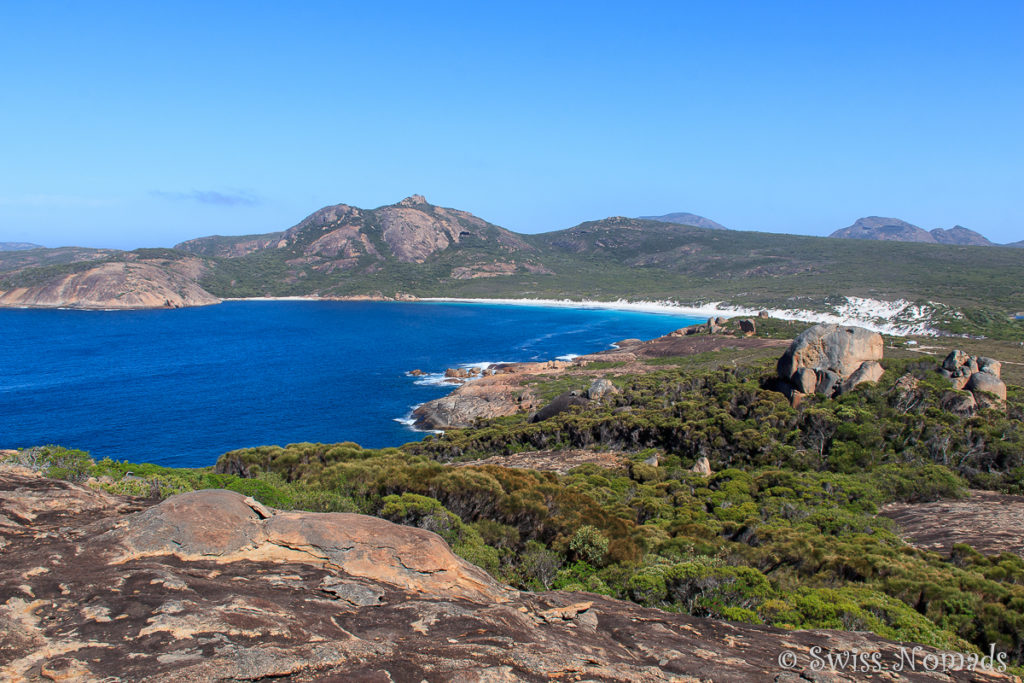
[(833, 359), (467, 373), (830, 360), (718, 325), (978, 375)]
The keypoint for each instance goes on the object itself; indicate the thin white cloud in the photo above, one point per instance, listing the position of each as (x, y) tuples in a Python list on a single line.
[(214, 197)]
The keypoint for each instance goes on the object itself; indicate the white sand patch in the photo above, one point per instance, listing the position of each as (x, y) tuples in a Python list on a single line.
[(897, 318)]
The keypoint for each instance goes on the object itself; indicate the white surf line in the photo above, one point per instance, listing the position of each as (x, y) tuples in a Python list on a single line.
[(873, 314)]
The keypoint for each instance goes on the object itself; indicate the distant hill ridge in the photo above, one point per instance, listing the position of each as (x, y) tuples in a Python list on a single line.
[(684, 218), (415, 249), (896, 230), (19, 246)]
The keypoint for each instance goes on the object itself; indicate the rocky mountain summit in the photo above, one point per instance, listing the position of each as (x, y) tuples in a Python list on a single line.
[(348, 238), (211, 585), (896, 230), (958, 234)]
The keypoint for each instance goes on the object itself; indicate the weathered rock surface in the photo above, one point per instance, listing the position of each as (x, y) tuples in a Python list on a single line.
[(990, 522), (487, 397), (600, 388), (869, 371), (712, 326), (493, 392), (841, 357), (960, 403), (702, 467), (210, 586), (349, 238)]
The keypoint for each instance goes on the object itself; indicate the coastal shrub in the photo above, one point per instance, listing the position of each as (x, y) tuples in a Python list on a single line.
[(538, 566), (53, 461), (423, 512), (589, 544)]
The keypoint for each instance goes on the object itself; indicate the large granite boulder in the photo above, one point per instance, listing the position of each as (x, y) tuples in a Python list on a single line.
[(561, 404), (839, 356), (601, 388)]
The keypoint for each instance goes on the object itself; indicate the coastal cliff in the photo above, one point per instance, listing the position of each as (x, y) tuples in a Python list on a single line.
[(211, 585)]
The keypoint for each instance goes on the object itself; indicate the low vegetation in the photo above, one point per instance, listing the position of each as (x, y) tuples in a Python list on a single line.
[(785, 532)]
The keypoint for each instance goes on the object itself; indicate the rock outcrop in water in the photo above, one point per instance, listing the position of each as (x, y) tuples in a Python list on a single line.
[(211, 586), (489, 393)]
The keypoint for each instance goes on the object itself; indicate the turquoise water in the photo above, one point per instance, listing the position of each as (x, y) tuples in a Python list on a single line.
[(180, 387)]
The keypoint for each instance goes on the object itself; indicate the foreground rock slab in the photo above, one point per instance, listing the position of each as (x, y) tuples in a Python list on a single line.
[(990, 522), (212, 586)]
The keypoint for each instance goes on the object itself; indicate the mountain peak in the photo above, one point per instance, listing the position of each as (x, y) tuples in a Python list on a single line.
[(958, 234), (896, 230), (413, 200), (883, 228)]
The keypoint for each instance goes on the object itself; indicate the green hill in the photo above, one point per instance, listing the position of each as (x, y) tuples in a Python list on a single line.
[(416, 248)]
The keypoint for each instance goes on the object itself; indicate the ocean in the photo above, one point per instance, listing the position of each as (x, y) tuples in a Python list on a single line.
[(181, 387)]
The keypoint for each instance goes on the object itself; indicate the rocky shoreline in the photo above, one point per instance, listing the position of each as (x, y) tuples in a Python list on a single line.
[(825, 359), (505, 388)]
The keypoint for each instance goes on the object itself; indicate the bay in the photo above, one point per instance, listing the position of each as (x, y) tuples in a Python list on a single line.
[(181, 387)]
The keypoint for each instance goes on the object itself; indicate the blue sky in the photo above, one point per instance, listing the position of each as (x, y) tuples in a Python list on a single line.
[(143, 124)]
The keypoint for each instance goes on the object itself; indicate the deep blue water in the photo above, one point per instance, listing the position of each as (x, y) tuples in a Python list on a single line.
[(180, 387)]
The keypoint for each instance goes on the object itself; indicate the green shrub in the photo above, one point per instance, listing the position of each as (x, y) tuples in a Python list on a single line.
[(589, 545)]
